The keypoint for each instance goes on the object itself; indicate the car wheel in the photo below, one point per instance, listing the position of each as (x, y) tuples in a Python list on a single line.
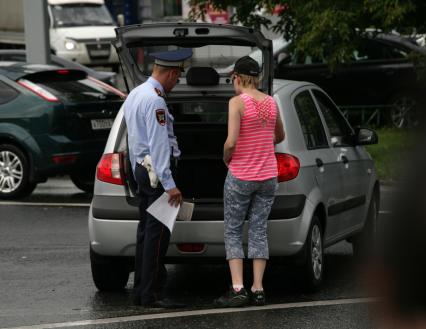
[(314, 262), (109, 273), (84, 181), (363, 243), (403, 111), (14, 173)]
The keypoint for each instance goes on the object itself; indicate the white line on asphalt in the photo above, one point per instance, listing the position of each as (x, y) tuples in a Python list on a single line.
[(198, 313), (53, 204), (39, 204)]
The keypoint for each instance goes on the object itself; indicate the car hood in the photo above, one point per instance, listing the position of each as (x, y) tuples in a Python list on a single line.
[(190, 35), (87, 33)]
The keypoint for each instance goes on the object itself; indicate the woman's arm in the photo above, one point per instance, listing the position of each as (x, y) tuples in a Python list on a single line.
[(234, 121), (279, 134)]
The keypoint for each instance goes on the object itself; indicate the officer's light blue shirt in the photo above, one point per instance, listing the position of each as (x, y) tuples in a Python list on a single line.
[(150, 130)]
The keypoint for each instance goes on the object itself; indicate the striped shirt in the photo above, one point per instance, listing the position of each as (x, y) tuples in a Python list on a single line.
[(254, 155)]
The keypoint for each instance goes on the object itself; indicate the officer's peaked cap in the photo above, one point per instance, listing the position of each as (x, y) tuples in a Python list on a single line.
[(173, 58)]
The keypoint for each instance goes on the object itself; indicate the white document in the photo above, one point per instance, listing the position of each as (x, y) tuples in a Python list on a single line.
[(164, 212), (167, 214)]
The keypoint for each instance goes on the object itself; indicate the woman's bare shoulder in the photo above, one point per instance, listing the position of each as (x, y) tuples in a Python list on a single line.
[(236, 100)]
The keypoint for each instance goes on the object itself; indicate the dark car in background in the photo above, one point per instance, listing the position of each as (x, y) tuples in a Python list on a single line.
[(20, 55), (52, 121), (386, 71)]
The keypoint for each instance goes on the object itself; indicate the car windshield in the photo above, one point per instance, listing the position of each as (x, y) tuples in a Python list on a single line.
[(219, 57), (81, 15)]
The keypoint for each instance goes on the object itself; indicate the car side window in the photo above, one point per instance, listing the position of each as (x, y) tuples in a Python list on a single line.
[(310, 121), (7, 93), (370, 50), (341, 133)]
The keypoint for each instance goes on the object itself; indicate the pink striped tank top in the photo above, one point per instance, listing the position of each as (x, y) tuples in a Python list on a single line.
[(254, 155)]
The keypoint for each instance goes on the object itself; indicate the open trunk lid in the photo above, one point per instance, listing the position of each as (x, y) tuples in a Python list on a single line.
[(215, 46)]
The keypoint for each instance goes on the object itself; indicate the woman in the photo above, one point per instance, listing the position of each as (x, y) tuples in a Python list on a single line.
[(254, 126)]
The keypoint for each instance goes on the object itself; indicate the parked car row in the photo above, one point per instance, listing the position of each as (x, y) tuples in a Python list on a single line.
[(52, 121), (328, 187)]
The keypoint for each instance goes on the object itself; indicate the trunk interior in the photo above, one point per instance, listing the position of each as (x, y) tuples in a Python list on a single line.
[(201, 130), (201, 171)]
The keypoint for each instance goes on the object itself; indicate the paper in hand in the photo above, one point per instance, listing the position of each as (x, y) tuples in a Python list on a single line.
[(167, 214), (164, 212)]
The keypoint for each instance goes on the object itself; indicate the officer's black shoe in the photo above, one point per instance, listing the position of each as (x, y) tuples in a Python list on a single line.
[(257, 298), (233, 298), (163, 303)]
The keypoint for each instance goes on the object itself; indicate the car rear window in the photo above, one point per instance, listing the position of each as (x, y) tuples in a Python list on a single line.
[(84, 90), (219, 57), (200, 112)]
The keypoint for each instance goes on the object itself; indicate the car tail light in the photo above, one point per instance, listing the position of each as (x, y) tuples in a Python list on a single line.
[(108, 87), (110, 169), (63, 72), (288, 167), (36, 89), (190, 247)]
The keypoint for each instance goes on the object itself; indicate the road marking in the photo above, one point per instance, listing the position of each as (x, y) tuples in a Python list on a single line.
[(198, 313), (40, 204), (57, 204)]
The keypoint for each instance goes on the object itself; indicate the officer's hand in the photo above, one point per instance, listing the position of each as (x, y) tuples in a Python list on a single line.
[(175, 197)]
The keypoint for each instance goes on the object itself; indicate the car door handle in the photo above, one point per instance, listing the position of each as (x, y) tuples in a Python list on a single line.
[(319, 162), (345, 159)]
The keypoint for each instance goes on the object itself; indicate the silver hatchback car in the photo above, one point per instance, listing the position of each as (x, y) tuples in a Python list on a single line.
[(328, 187)]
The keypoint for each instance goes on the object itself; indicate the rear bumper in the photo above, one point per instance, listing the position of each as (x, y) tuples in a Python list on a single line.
[(112, 237), (87, 154)]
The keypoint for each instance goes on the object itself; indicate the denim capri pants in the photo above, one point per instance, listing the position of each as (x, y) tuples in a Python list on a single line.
[(251, 200)]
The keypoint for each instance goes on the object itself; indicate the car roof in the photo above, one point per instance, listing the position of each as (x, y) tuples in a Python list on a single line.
[(63, 62), (406, 41), (279, 43), (16, 70), (291, 85)]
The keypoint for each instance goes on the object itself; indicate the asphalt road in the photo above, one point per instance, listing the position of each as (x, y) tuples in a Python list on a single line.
[(45, 279)]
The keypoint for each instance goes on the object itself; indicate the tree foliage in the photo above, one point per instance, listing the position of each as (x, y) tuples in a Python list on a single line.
[(324, 28)]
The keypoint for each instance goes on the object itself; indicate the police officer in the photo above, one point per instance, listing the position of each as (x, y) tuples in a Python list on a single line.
[(150, 132)]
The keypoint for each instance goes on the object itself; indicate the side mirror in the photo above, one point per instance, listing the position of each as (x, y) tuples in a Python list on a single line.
[(120, 20), (365, 136)]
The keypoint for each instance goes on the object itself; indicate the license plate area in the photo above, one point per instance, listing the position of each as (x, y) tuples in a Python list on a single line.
[(101, 124)]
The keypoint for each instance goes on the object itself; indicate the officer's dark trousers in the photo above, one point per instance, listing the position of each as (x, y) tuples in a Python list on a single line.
[(152, 243)]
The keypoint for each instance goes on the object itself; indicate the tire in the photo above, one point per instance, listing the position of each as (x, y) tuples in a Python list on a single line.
[(363, 244), (108, 273), (15, 173), (313, 268), (84, 181), (404, 111)]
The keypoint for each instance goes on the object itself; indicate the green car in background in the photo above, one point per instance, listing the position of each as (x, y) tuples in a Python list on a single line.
[(52, 121)]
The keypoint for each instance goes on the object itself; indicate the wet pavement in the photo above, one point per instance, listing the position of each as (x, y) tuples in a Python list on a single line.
[(45, 278)]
